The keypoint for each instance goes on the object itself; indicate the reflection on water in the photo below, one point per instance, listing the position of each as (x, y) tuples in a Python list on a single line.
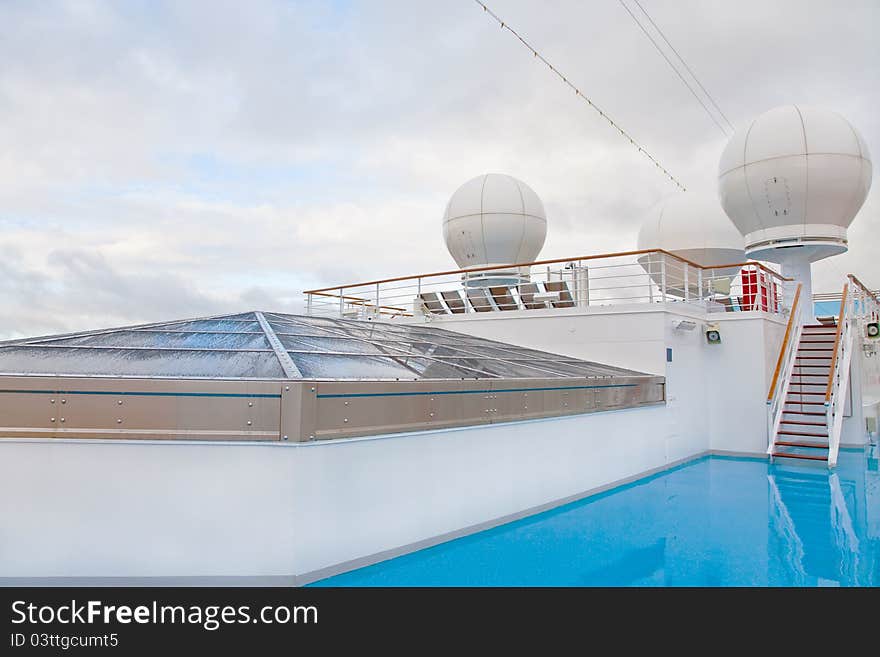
[(718, 521)]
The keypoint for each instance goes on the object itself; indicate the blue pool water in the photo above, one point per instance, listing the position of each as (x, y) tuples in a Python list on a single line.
[(716, 521)]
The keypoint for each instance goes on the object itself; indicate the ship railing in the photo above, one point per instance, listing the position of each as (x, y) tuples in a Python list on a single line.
[(633, 277), (839, 372), (781, 380)]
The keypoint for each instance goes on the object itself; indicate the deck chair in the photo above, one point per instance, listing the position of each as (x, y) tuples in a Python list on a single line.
[(527, 292), (503, 298), (479, 300), (565, 298), (432, 302), (454, 301)]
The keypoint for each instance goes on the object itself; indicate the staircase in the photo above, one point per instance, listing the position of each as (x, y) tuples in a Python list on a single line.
[(803, 430)]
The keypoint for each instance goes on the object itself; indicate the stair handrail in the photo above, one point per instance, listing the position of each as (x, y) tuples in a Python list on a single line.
[(866, 302), (784, 366), (838, 375)]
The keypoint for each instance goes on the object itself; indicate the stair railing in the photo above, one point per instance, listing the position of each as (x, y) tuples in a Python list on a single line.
[(782, 374), (838, 376)]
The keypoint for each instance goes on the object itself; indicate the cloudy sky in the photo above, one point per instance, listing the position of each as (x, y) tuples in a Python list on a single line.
[(161, 160)]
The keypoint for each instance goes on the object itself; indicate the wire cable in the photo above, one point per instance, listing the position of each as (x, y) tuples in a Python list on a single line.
[(673, 67), (689, 70), (614, 124)]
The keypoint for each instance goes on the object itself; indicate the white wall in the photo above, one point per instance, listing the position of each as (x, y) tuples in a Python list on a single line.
[(90, 509), (716, 393)]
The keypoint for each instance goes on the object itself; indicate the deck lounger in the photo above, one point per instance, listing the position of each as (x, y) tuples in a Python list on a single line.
[(432, 303), (565, 298), (479, 300), (527, 293), (454, 301), (503, 298)]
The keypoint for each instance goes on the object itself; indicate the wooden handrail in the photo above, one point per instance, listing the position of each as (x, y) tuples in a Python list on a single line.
[(864, 287), (782, 349), (840, 319), (549, 262)]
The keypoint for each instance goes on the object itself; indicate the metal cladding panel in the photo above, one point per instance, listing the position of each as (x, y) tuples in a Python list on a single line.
[(156, 409), (351, 409)]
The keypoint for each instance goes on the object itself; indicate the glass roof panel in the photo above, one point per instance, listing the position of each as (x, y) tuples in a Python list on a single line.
[(139, 362), (167, 339), (324, 344), (226, 325), (351, 367)]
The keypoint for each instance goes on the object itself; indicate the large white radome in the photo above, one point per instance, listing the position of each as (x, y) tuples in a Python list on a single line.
[(795, 178), (494, 219)]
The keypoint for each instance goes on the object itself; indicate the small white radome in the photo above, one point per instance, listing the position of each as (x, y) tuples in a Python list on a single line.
[(494, 219)]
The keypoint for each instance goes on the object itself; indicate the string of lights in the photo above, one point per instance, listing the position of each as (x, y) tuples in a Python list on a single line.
[(578, 92)]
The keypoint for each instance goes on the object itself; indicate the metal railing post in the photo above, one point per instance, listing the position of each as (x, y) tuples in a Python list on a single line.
[(378, 307), (687, 296), (663, 278), (341, 302), (700, 285), (308, 304)]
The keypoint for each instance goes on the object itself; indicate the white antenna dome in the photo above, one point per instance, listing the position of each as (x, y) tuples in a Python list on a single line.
[(494, 219), (693, 226), (793, 182)]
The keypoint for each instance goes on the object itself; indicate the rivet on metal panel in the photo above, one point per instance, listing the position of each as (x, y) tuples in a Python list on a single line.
[(432, 399), (119, 401), (285, 437), (287, 387), (311, 437), (345, 420), (346, 403), (63, 401), (249, 423), (312, 389), (431, 414), (62, 419), (119, 421), (52, 419), (51, 401), (250, 404)]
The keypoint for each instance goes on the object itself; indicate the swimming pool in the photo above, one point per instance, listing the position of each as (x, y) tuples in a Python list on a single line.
[(715, 521)]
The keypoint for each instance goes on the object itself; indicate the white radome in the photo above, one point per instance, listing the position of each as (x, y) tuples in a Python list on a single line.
[(793, 181), (494, 219), (693, 226)]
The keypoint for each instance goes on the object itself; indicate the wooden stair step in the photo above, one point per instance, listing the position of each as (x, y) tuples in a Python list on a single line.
[(794, 443), (801, 422), (808, 457), (786, 432), (802, 413)]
